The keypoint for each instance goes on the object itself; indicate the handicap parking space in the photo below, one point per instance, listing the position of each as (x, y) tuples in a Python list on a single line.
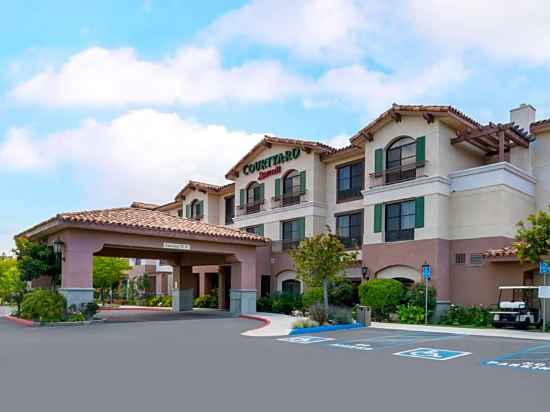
[(469, 351)]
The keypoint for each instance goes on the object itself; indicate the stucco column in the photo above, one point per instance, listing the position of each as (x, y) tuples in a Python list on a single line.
[(202, 283), (182, 291), (76, 274), (221, 288), (243, 286)]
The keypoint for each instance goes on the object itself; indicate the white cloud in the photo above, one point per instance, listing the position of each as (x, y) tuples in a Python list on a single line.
[(373, 91), (313, 29), (142, 155), (193, 76), (504, 29)]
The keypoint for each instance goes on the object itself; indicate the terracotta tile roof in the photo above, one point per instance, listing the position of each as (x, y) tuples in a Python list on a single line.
[(206, 187), (342, 152), (267, 141), (507, 251), (149, 220), (411, 109), (540, 126), (168, 206), (144, 205)]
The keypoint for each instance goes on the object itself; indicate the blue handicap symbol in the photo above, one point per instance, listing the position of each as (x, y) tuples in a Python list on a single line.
[(433, 354), (306, 340)]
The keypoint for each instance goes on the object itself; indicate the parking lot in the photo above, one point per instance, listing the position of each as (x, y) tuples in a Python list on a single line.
[(205, 363)]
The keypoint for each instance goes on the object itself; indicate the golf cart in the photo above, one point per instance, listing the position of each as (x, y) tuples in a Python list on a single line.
[(518, 307)]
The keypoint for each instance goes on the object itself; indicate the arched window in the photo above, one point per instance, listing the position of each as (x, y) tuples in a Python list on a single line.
[(401, 160), (254, 197), (196, 209), (292, 287), (291, 188)]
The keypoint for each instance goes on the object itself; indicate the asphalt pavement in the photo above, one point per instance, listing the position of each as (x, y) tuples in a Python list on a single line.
[(206, 364)]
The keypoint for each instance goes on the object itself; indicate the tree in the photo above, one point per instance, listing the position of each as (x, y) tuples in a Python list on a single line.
[(321, 259), (36, 259), (11, 284), (107, 273), (533, 240)]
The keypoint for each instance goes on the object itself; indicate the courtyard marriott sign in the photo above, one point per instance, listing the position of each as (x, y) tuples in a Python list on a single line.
[(272, 162)]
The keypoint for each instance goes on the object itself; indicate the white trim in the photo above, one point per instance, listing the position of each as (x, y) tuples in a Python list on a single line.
[(273, 213), (502, 173), (413, 188)]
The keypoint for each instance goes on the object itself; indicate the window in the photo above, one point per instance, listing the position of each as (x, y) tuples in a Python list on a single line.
[(254, 197), (401, 160), (291, 188), (196, 209), (229, 209), (460, 258), (293, 233), (350, 181), (180, 212), (349, 229), (476, 259), (266, 285), (292, 287), (400, 221), (256, 230), (138, 262)]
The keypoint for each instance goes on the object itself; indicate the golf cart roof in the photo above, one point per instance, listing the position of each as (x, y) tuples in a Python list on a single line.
[(517, 287)]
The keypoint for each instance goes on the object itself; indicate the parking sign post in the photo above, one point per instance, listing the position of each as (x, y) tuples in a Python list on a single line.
[(426, 274), (544, 269)]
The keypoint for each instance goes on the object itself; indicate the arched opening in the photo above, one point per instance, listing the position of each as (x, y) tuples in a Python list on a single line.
[(291, 188), (287, 282), (196, 209), (401, 160), (404, 274)]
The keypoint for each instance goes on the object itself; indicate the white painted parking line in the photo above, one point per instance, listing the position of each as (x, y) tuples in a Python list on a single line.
[(306, 340), (432, 354), (356, 346)]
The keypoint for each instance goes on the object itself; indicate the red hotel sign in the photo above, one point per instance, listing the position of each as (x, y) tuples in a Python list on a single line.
[(271, 172)]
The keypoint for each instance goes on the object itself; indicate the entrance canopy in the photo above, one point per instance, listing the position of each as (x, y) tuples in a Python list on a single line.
[(144, 233)]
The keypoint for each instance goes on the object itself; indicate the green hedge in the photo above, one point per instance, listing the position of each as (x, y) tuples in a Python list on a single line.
[(382, 296), (43, 306)]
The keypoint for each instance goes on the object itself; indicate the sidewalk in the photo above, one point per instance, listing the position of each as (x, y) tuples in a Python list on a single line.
[(495, 333), (5, 310), (275, 324)]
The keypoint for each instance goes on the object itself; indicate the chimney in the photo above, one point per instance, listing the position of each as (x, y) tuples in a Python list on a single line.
[(523, 116)]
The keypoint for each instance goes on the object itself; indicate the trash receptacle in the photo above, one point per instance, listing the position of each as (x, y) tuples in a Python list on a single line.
[(363, 315)]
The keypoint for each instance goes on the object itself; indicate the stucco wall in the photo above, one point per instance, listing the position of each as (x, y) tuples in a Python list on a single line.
[(541, 168)]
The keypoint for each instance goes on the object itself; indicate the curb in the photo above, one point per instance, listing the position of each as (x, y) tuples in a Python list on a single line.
[(19, 321), (140, 309), (266, 322), (31, 323), (329, 328)]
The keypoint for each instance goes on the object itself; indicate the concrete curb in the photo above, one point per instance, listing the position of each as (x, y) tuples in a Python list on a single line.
[(326, 328), (138, 308), (266, 322), (31, 323), (274, 325), (493, 333)]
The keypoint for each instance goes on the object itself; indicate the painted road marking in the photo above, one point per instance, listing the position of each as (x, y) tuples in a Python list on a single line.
[(432, 354), (356, 346), (306, 340), (388, 341), (535, 359)]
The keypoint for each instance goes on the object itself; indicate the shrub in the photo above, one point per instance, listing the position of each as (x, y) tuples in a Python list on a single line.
[(382, 296), (43, 306), (286, 303), (76, 317), (88, 310), (411, 314), (414, 296), (207, 301), (318, 313), (264, 304), (461, 316), (304, 323), (340, 315), (343, 293), (312, 295)]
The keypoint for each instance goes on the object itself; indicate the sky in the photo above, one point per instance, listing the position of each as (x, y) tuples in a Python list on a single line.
[(104, 103)]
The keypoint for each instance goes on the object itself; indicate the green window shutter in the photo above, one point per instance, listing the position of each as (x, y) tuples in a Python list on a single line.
[(242, 193), (378, 160), (261, 191), (303, 181), (378, 218), (188, 211), (419, 206), (277, 188), (201, 208), (302, 226), (260, 230), (421, 149)]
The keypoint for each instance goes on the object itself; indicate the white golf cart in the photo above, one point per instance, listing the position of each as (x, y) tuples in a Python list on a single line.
[(518, 307)]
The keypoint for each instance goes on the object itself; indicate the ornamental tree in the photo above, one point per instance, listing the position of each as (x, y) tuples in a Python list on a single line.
[(321, 259), (533, 239), (11, 284), (37, 259), (108, 272)]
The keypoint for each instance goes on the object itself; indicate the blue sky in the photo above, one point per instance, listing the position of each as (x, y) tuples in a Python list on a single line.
[(112, 102)]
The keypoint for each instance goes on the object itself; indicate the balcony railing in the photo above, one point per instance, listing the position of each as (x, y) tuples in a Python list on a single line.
[(349, 194), (279, 246), (351, 242), (288, 199), (399, 235), (398, 174), (250, 208)]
